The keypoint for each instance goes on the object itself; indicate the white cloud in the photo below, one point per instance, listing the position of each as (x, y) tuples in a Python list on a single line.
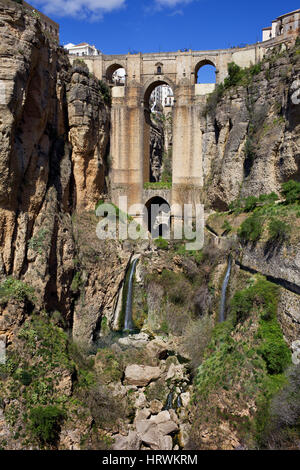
[(91, 9), (172, 3)]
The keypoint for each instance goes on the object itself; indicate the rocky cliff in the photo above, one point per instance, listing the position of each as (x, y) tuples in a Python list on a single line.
[(251, 132), (54, 136)]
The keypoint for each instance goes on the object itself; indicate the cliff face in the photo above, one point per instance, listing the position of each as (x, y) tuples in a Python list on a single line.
[(53, 140), (251, 135)]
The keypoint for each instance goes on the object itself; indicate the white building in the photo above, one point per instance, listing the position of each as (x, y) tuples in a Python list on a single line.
[(119, 77), (161, 97), (82, 49), (284, 25)]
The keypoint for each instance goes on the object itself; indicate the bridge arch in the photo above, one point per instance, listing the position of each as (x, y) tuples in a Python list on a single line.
[(111, 69), (153, 157), (158, 217), (201, 64), (154, 82)]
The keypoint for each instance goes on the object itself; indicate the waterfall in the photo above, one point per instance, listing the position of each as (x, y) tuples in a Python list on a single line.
[(224, 289), (128, 323), (169, 404)]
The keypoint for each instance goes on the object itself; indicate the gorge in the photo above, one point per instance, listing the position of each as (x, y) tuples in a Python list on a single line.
[(183, 375)]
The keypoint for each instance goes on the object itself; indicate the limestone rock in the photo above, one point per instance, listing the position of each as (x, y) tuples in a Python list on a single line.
[(156, 406), (167, 428), (141, 375)]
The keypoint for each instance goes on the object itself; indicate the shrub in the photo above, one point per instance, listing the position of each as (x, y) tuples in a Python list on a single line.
[(268, 198), (250, 203), (105, 92), (45, 423), (279, 231), (25, 377), (235, 75), (161, 243), (251, 229), (291, 191), (263, 294), (274, 349), (14, 289)]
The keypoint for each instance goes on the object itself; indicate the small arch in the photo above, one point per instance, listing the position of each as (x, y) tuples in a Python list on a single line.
[(115, 74), (205, 72), (158, 217)]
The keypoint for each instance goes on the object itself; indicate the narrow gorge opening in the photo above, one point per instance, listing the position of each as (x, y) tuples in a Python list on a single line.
[(158, 139)]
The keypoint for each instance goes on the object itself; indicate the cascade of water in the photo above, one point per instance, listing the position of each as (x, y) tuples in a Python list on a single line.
[(224, 289), (169, 404), (128, 323)]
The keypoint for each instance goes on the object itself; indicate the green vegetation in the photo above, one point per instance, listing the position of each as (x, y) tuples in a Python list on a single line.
[(279, 231), (161, 243), (291, 192), (45, 423), (105, 92), (37, 243), (250, 203), (76, 282), (251, 229), (158, 185), (12, 288), (263, 294), (237, 76), (273, 349), (244, 361)]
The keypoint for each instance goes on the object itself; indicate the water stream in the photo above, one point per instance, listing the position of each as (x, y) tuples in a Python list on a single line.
[(224, 289), (128, 323)]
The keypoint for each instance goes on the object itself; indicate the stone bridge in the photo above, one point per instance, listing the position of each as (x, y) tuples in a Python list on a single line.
[(130, 131)]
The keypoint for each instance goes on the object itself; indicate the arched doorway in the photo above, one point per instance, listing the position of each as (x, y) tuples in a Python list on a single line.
[(116, 75), (158, 217), (159, 102), (205, 72)]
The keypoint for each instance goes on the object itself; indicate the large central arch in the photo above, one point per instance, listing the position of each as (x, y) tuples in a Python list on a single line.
[(147, 91)]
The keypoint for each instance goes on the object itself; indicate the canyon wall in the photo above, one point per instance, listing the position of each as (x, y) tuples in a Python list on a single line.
[(251, 134)]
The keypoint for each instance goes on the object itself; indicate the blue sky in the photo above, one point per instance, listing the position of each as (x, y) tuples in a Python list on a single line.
[(120, 26)]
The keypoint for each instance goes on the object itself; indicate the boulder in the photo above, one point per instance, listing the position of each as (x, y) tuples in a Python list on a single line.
[(141, 375), (144, 425), (166, 443), (167, 428), (162, 417), (142, 415), (152, 438), (130, 442), (156, 406), (136, 341), (185, 399)]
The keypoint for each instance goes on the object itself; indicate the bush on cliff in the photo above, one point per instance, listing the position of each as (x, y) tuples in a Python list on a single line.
[(13, 289), (251, 229), (279, 231), (45, 423), (291, 192)]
